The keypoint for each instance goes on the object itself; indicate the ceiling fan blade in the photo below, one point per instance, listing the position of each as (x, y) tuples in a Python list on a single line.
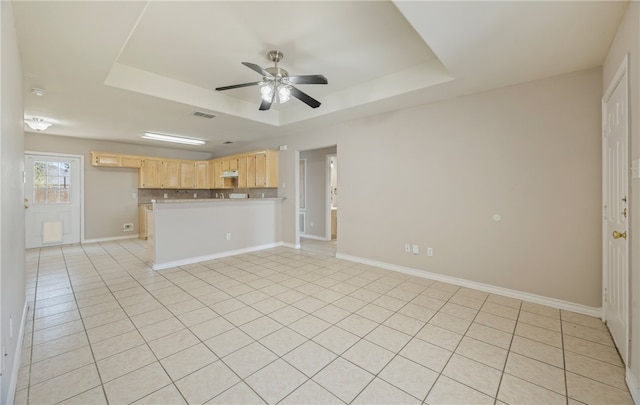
[(257, 68), (237, 86), (265, 105), (305, 98), (308, 79)]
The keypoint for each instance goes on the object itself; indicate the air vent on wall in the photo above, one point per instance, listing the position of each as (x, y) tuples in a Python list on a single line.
[(203, 114)]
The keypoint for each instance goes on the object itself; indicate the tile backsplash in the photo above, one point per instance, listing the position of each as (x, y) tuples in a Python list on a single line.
[(145, 195)]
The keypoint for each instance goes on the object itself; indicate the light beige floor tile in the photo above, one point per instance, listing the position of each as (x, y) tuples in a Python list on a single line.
[(506, 301), (312, 394), (94, 396), (287, 315), (309, 358), (125, 362), (197, 316), (596, 370), (473, 374), (594, 350), (58, 331), (182, 307), (467, 301), (539, 334), (58, 346), (369, 356), (276, 381), (261, 327), (151, 317), (269, 305), (490, 335), (104, 318), (109, 330), (388, 338), (449, 392), (500, 310), (357, 325), (242, 316), (375, 313), (249, 359), (583, 320), (283, 341), (309, 326), (161, 329), (309, 304), (343, 379), (65, 386), (539, 351), (497, 322), (536, 372), (482, 352), (349, 303), (116, 344), (187, 361), (428, 302), (381, 392), (587, 333), (55, 309), (60, 364), (331, 313), (404, 323), (541, 309), (416, 311), (99, 308), (336, 339), (539, 321), (451, 323), (426, 354), (228, 342), (513, 390), (409, 376), (459, 311), (592, 392), (213, 327), (57, 319), (167, 395), (207, 383), (239, 394), (224, 307), (439, 337)]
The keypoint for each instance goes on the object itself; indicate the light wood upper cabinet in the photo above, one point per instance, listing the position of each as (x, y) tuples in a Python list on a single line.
[(150, 173), (201, 175), (187, 174), (266, 169), (115, 160), (242, 172), (171, 174)]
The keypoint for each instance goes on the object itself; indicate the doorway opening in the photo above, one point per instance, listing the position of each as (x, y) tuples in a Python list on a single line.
[(318, 199)]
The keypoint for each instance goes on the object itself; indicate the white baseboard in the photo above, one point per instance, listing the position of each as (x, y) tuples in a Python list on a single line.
[(198, 259), (291, 245), (632, 383), (307, 236), (524, 296), (109, 239), (17, 360)]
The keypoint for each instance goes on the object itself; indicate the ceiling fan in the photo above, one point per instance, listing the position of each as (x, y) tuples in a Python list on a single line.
[(277, 85)]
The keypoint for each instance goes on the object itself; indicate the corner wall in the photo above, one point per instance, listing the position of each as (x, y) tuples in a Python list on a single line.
[(434, 175), (12, 261), (627, 42)]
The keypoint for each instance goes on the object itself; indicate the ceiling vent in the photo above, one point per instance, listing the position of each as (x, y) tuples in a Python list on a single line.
[(203, 114)]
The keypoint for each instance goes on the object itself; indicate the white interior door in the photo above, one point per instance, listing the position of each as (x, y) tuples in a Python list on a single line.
[(52, 200), (615, 195)]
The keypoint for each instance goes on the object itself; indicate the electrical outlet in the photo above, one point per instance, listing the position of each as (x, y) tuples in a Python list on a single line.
[(166, 195), (195, 195), (127, 227), (229, 236), (416, 249), (407, 248), (134, 196), (429, 251)]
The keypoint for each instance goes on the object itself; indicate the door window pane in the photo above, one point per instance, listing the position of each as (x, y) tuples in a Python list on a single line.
[(51, 182)]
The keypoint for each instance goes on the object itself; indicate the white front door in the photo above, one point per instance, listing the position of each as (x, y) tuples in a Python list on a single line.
[(615, 210), (52, 200)]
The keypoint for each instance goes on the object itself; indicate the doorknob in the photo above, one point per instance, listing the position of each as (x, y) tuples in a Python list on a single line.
[(618, 235), (26, 206)]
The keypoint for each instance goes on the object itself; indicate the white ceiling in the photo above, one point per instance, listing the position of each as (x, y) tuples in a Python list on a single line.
[(113, 70)]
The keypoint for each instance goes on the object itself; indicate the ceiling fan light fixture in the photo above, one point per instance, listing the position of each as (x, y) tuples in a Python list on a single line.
[(267, 91), (284, 93), (37, 124), (173, 138)]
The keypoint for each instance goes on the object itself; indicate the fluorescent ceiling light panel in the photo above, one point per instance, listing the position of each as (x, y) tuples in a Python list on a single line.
[(174, 139)]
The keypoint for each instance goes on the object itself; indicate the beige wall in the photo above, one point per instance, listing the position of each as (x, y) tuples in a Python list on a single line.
[(434, 175), (627, 41), (12, 282), (108, 192), (316, 210)]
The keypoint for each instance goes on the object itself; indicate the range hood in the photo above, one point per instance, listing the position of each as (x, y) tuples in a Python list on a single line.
[(229, 173)]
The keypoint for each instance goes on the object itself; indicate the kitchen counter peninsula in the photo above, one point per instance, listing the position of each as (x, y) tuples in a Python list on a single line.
[(188, 231)]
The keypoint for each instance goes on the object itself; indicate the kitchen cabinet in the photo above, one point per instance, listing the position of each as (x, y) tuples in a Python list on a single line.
[(143, 210), (187, 174), (266, 169), (201, 175), (115, 160), (156, 173)]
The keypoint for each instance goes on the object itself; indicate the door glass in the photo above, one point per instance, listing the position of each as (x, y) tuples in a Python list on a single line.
[(51, 182)]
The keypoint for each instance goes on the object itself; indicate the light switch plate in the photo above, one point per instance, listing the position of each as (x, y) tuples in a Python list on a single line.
[(635, 169)]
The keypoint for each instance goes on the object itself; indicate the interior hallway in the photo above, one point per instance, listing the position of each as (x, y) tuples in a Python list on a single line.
[(293, 326)]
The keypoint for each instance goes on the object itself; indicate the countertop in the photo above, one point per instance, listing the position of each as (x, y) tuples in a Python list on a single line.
[(212, 200)]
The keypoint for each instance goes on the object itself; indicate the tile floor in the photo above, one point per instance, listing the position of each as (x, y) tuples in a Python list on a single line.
[(293, 327)]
